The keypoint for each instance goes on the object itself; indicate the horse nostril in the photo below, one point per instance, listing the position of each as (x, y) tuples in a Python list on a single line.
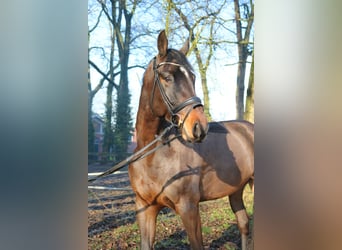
[(197, 130)]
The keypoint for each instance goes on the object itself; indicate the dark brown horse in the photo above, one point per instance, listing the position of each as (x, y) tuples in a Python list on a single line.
[(200, 161)]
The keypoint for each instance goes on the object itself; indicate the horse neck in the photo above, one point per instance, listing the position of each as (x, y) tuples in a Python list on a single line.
[(147, 124)]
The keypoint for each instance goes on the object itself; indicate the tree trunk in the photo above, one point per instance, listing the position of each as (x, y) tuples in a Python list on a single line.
[(249, 112), (240, 81), (91, 131), (123, 119), (123, 124), (242, 43), (108, 132), (206, 101), (203, 67), (108, 128), (240, 90)]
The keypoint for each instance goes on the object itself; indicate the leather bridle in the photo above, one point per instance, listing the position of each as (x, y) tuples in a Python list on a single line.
[(173, 109)]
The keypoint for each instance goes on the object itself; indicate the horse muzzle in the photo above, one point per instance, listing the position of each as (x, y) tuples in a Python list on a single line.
[(199, 132), (195, 126)]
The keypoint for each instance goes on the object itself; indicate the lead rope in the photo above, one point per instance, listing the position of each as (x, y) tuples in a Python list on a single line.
[(139, 154)]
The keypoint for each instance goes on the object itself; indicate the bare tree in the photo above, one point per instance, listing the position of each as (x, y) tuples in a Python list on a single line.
[(123, 123), (249, 110), (205, 23), (93, 91), (242, 35), (204, 20), (118, 124)]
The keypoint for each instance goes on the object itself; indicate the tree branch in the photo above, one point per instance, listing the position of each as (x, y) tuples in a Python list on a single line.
[(232, 64), (249, 23), (100, 48), (103, 74), (97, 22), (136, 66), (105, 10)]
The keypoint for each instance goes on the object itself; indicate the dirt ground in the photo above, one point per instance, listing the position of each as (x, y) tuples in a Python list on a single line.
[(112, 223)]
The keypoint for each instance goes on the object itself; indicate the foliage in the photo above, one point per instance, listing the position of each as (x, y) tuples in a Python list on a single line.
[(123, 126)]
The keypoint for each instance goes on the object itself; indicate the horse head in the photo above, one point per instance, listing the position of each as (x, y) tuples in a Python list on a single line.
[(173, 91)]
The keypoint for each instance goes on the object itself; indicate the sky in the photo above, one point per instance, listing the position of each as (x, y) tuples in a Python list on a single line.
[(222, 87), (221, 78)]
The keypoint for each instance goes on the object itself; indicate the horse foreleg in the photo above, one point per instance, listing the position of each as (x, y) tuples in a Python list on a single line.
[(238, 208), (189, 214), (146, 217)]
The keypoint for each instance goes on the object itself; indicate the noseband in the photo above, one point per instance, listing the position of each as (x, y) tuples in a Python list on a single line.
[(172, 108)]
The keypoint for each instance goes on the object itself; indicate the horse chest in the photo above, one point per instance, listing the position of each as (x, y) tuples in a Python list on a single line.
[(165, 182)]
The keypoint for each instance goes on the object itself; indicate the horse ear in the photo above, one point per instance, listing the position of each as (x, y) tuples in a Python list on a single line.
[(162, 43), (185, 47)]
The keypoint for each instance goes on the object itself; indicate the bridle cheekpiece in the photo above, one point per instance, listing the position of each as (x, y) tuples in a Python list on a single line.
[(173, 109)]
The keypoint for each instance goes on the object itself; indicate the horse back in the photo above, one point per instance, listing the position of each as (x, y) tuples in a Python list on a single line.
[(246, 128), (228, 153), (235, 135)]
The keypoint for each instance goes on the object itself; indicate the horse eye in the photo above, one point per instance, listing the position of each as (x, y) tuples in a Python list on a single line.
[(169, 78)]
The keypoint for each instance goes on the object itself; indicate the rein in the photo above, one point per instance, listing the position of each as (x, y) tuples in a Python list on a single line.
[(173, 109), (139, 154)]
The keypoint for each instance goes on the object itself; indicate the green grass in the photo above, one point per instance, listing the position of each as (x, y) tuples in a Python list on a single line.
[(218, 229)]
